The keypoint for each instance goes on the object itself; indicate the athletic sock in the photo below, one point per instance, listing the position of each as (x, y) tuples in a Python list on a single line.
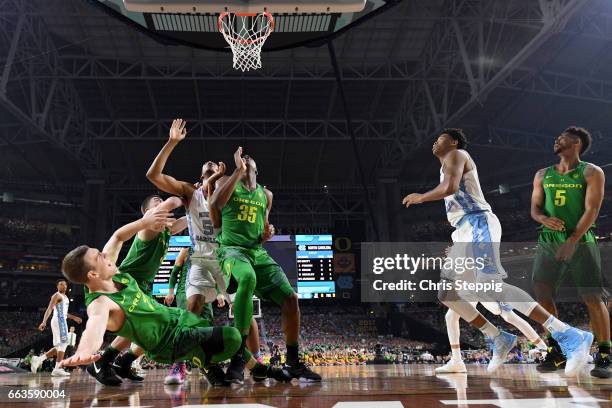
[(456, 354), (127, 359), (489, 330), (109, 355), (540, 345), (292, 357), (552, 324), (604, 348)]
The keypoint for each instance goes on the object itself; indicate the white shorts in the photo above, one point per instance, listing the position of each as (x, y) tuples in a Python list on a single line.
[(477, 238), (200, 280), (58, 329)]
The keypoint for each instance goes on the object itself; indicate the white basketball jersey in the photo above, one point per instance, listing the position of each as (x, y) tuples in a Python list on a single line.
[(468, 199), (60, 311), (201, 231)]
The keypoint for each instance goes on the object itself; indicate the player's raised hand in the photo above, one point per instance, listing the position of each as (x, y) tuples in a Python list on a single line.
[(79, 359), (220, 170), (410, 199), (178, 130), (158, 219), (239, 161), (553, 223)]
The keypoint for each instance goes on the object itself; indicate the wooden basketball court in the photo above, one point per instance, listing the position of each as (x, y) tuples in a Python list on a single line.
[(514, 386)]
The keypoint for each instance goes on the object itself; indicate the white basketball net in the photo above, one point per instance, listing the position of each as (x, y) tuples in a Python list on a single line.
[(246, 35)]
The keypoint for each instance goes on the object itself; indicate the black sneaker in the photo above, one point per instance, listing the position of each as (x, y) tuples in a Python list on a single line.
[(235, 371), (302, 372), (126, 372), (555, 360), (603, 367), (261, 371), (104, 374), (215, 376)]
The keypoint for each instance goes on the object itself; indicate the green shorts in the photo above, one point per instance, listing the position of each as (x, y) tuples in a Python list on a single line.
[(272, 283), (584, 267)]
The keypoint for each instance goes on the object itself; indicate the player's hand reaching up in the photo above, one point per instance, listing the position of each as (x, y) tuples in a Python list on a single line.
[(239, 161), (79, 359), (177, 130), (158, 219), (220, 170)]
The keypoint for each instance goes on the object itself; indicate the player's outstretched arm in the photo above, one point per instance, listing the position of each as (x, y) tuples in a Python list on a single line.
[(155, 219), (269, 230), (596, 180), (227, 185), (537, 203), (211, 184), (74, 318), (55, 299), (453, 171), (98, 313), (155, 173)]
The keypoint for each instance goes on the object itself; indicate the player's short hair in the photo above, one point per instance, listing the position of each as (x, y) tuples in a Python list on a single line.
[(60, 280), (145, 202), (584, 136), (458, 135), (74, 267)]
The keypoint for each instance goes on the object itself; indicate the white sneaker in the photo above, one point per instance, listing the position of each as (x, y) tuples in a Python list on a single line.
[(36, 363), (453, 366), (59, 372)]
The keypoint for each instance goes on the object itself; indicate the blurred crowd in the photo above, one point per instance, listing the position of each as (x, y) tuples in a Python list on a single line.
[(18, 229), (18, 330)]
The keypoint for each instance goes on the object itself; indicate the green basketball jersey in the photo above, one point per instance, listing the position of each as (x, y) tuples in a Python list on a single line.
[(147, 323), (243, 218), (145, 257), (564, 195)]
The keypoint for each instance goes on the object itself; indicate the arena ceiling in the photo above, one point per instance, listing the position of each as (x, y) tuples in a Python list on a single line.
[(83, 95)]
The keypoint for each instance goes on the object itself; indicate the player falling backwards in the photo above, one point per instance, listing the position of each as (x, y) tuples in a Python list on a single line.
[(245, 207), (566, 200), (118, 304), (205, 274), (58, 305), (142, 262), (477, 235)]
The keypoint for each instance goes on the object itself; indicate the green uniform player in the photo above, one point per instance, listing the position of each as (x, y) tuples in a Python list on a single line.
[(566, 200), (244, 206)]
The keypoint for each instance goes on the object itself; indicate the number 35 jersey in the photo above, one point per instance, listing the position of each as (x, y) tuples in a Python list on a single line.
[(201, 231), (565, 195), (243, 217)]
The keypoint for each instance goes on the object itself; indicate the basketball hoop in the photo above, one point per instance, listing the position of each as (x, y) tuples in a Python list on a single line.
[(246, 34)]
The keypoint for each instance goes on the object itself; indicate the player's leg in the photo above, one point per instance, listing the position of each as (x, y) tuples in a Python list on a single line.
[(455, 364), (506, 313), (60, 351), (273, 285), (587, 277), (253, 340), (239, 268)]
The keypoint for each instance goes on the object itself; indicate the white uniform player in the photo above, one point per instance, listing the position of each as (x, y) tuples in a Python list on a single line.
[(477, 234), (58, 306), (205, 271), (59, 324)]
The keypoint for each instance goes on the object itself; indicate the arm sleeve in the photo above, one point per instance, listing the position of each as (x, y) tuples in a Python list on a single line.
[(172, 281)]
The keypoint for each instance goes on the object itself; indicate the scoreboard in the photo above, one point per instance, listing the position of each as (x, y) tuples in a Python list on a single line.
[(306, 259), (160, 283), (315, 275)]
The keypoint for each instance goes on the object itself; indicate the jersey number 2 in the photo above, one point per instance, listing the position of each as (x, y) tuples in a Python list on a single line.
[(560, 198), (247, 213)]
